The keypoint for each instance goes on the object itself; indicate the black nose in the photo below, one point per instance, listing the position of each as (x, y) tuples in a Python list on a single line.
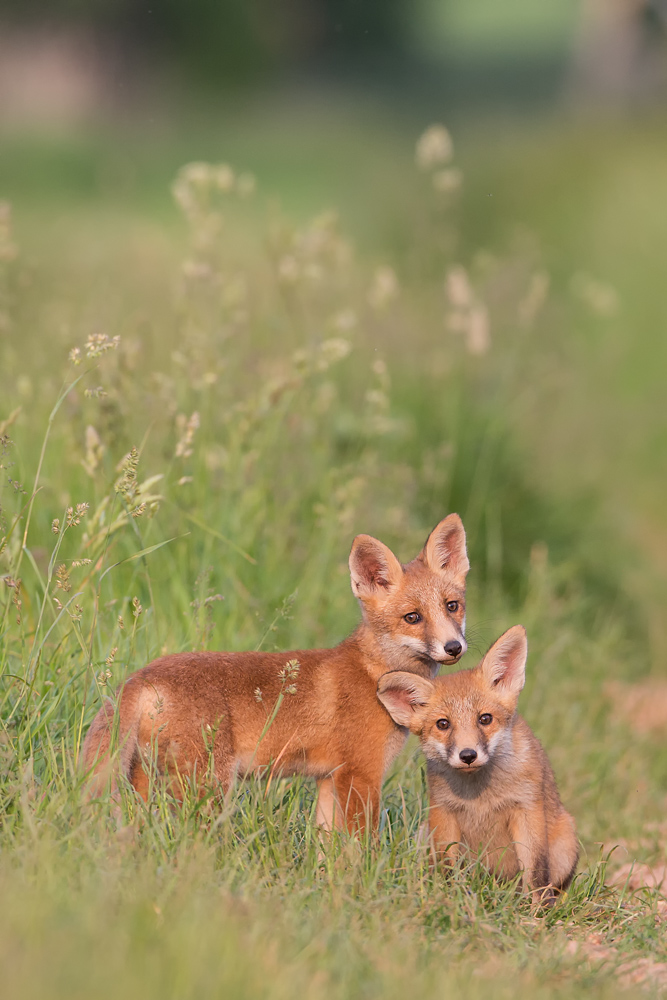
[(453, 647), (468, 755)]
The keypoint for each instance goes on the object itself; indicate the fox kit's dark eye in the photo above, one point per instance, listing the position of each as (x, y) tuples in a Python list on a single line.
[(485, 719), (452, 606), (442, 724), (412, 618)]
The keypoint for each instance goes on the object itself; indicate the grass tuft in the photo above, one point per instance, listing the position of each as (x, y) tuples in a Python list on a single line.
[(188, 471)]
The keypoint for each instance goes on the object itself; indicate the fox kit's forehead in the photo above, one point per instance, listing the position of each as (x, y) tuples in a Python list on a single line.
[(459, 694), (421, 578), (458, 685)]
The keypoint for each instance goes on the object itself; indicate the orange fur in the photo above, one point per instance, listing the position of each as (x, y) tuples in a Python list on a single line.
[(491, 787), (203, 716)]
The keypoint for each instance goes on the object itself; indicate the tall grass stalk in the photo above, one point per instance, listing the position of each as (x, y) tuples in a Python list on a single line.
[(287, 414)]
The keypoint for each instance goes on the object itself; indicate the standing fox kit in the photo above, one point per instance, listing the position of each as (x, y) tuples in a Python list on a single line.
[(205, 717), (490, 783)]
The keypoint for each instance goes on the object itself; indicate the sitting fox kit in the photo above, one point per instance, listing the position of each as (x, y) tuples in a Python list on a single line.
[(490, 783), (204, 716)]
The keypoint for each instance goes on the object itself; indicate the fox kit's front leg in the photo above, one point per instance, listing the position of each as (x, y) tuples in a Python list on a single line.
[(347, 800), (444, 834), (528, 830), (327, 816)]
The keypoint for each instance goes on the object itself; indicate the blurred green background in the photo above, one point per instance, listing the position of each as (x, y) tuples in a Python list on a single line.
[(558, 115), (480, 329)]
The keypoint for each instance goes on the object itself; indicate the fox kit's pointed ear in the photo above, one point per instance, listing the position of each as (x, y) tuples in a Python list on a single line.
[(504, 666), (374, 569), (445, 549), (404, 695)]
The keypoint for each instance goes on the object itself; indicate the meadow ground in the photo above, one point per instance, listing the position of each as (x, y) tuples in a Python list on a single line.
[(202, 402)]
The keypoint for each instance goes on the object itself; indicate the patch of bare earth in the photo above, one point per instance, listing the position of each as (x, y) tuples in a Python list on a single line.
[(599, 952), (643, 706), (638, 876)]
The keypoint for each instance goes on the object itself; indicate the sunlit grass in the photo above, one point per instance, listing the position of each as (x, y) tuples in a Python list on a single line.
[(197, 483)]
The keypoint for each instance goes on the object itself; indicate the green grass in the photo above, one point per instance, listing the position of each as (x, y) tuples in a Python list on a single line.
[(321, 415)]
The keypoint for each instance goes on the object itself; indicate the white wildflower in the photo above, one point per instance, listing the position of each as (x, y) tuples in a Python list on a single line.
[(478, 338), (245, 185), (458, 288), (434, 147), (224, 177), (447, 181), (384, 287)]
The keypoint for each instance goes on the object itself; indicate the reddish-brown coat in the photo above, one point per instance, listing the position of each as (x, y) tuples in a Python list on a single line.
[(491, 785), (203, 716)]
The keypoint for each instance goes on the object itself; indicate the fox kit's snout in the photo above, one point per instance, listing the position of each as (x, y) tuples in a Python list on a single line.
[(416, 611), (491, 785)]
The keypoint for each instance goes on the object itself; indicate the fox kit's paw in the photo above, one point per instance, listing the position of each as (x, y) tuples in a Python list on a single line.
[(543, 898)]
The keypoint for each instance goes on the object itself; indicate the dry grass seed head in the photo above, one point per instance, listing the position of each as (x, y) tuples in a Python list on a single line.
[(434, 148)]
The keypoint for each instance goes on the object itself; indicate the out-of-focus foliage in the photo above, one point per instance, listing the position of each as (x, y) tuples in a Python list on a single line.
[(204, 397), (192, 430), (234, 41), (522, 50)]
